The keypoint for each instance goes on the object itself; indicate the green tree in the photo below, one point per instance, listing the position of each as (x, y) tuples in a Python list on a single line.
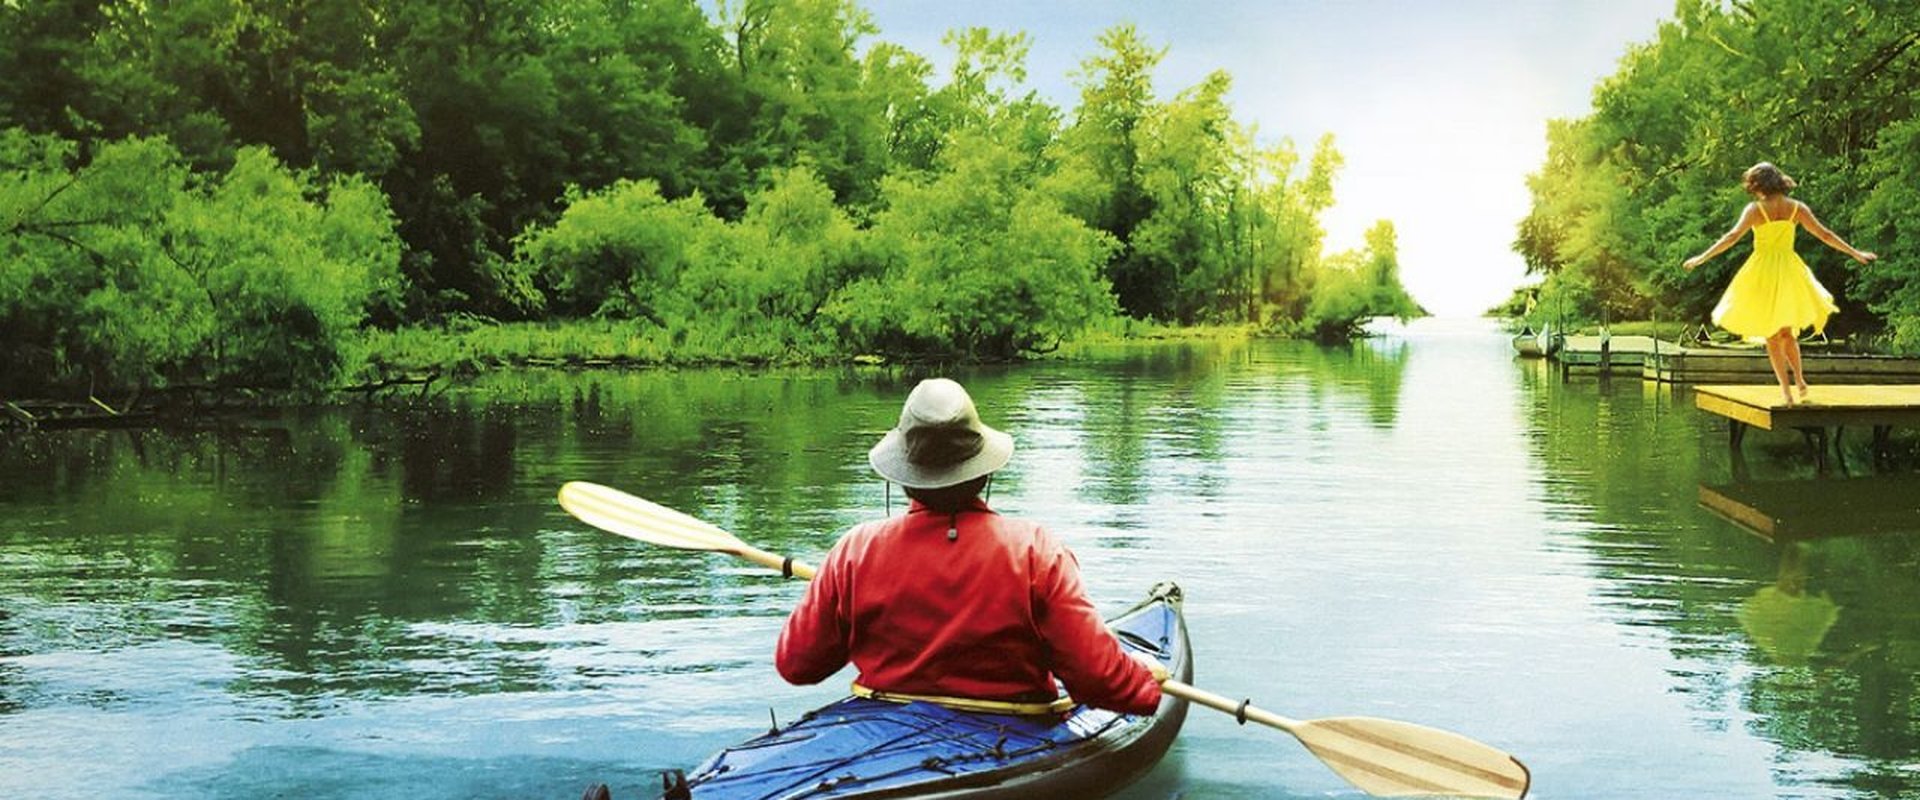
[(1382, 273), (1297, 235), (72, 236), (130, 271), (982, 92), (672, 267), (1116, 101), (807, 101), (977, 261), (632, 81), (617, 252), (769, 279), (1352, 287), (1341, 297), (42, 50), (1191, 172), (305, 80)]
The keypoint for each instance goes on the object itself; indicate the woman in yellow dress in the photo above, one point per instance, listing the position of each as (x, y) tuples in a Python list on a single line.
[(1774, 295)]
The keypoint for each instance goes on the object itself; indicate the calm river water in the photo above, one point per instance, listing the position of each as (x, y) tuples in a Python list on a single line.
[(355, 603)]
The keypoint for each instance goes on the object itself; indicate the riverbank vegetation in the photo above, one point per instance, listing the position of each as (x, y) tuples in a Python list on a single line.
[(1826, 89), (209, 193)]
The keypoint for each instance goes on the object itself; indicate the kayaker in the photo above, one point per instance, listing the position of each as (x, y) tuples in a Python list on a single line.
[(952, 600)]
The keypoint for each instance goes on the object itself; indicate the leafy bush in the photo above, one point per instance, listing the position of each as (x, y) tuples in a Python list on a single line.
[(129, 270), (1354, 286), (616, 252), (769, 276), (977, 264), (628, 253)]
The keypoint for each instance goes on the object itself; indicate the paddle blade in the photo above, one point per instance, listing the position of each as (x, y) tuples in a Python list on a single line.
[(1388, 758), (617, 512)]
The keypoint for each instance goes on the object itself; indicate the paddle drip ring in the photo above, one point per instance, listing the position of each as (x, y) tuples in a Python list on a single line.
[(1241, 712), (786, 568)]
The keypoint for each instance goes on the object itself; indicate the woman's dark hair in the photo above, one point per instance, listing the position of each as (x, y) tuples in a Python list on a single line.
[(948, 499), (1766, 178)]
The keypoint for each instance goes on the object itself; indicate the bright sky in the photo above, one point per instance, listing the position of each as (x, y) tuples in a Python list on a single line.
[(1439, 108)]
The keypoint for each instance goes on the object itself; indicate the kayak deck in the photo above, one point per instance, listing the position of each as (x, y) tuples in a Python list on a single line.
[(860, 748)]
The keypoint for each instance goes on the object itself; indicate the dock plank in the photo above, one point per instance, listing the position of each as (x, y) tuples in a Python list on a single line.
[(1734, 408), (1848, 404)]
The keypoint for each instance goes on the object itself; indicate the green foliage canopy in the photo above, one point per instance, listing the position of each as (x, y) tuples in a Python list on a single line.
[(762, 180)]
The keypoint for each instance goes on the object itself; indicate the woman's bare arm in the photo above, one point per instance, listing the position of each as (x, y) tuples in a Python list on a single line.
[(1746, 220), (1832, 239)]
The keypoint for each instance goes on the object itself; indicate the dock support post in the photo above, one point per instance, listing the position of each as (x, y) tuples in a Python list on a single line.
[(1816, 437)]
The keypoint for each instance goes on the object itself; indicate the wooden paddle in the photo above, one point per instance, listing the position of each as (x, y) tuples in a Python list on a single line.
[(615, 511), (1388, 758), (1385, 758)]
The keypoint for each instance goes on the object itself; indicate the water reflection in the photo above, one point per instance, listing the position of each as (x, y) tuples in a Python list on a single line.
[(1840, 652), (1786, 621), (1782, 511)]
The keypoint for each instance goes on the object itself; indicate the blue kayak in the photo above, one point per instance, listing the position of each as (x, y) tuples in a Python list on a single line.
[(861, 748)]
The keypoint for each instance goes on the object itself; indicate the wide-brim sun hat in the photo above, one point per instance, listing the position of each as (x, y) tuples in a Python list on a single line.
[(940, 440)]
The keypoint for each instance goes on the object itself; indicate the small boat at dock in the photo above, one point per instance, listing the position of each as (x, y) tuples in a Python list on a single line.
[(1530, 344)]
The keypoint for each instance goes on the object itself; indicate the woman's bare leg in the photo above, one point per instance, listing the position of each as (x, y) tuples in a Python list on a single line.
[(1793, 363), (1777, 358)]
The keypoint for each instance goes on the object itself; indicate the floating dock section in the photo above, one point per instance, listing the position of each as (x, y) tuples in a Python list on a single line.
[(1608, 354), (1674, 363)]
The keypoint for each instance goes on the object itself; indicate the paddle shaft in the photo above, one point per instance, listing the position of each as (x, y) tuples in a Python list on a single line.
[(782, 564), (1235, 709)]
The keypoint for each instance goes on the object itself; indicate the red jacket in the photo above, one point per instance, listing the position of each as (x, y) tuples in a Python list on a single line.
[(995, 613)]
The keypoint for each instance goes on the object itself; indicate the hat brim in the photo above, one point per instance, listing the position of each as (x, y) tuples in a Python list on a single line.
[(889, 458)]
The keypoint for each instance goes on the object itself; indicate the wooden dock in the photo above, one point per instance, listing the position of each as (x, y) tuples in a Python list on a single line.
[(1875, 407), (1606, 354), (1674, 363), (1782, 511)]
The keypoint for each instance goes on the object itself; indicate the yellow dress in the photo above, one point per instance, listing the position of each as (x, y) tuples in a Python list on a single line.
[(1774, 289)]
